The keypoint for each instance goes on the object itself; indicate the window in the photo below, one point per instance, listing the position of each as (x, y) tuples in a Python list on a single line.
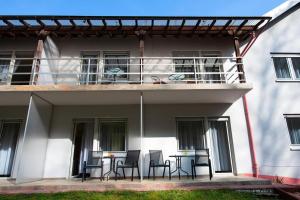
[(112, 135), (116, 65), (212, 65), (287, 68), (296, 66), (190, 133), (185, 63), (89, 68), (4, 67), (293, 124), (23, 65)]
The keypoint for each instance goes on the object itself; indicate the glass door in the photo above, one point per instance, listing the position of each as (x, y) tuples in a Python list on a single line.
[(220, 145), (89, 69), (22, 68), (9, 132), (82, 143)]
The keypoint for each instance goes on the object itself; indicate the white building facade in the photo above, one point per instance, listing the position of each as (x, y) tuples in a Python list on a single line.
[(72, 85), (272, 65)]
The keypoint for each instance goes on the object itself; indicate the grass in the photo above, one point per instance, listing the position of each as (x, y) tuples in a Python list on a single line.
[(126, 195)]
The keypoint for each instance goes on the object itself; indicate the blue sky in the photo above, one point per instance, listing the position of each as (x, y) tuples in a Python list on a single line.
[(138, 7)]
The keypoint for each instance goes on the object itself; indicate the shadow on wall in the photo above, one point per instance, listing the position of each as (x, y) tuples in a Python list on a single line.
[(271, 100)]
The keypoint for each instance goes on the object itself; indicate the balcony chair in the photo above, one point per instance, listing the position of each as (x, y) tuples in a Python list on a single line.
[(156, 160), (94, 160), (131, 161), (201, 159)]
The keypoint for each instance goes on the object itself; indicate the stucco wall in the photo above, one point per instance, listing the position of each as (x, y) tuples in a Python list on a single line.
[(269, 100), (159, 132)]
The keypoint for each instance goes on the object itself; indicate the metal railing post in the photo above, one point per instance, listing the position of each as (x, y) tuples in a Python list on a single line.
[(195, 71)]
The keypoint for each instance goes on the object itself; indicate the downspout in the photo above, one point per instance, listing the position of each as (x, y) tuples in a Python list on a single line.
[(255, 167), (247, 116)]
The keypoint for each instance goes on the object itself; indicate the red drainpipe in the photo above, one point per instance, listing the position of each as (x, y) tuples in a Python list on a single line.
[(247, 116)]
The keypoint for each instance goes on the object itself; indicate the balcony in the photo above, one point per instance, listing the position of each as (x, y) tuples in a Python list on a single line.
[(161, 79), (120, 70)]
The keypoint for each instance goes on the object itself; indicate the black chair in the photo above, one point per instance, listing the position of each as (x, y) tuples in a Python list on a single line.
[(94, 160), (201, 159), (156, 160), (131, 161)]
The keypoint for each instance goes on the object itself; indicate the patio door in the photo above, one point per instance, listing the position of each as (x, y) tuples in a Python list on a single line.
[(89, 69), (83, 142), (220, 145), (9, 132), (22, 68)]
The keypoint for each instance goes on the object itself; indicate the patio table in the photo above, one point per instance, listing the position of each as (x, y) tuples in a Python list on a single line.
[(112, 164), (178, 163)]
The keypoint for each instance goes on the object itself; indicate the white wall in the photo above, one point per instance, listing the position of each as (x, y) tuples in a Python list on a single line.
[(269, 100), (159, 131)]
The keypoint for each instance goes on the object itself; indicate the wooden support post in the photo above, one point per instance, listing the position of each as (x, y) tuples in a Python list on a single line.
[(38, 55), (239, 60)]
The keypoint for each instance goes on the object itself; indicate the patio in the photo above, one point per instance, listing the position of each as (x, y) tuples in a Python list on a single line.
[(64, 185)]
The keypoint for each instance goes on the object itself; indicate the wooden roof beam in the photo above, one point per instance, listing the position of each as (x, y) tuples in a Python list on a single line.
[(210, 26), (41, 23), (58, 24), (225, 26), (25, 23), (241, 25), (8, 23), (196, 26), (258, 24), (180, 28), (74, 25), (89, 23)]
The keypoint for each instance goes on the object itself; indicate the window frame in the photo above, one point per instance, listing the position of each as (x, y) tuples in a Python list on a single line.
[(203, 119), (293, 147), (89, 53), (288, 57), (125, 120), (116, 53)]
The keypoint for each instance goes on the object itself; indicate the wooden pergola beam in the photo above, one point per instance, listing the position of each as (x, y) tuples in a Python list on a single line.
[(210, 26), (25, 23), (225, 26), (241, 25)]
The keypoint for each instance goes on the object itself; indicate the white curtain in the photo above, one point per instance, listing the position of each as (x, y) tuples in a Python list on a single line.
[(294, 129), (190, 135), (220, 147), (296, 66), (8, 141), (89, 65), (4, 67), (281, 67), (112, 136), (87, 142)]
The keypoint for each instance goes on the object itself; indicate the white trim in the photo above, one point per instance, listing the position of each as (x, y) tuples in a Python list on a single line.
[(295, 147)]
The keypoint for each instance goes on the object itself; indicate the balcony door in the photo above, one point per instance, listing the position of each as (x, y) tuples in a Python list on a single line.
[(82, 143), (185, 62), (9, 132), (211, 65), (5, 60), (220, 145), (116, 66), (23, 67), (89, 68)]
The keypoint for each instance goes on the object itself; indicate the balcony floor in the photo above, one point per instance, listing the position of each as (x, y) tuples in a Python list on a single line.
[(124, 93)]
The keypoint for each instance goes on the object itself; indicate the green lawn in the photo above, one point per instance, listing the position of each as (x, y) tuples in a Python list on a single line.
[(159, 195)]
